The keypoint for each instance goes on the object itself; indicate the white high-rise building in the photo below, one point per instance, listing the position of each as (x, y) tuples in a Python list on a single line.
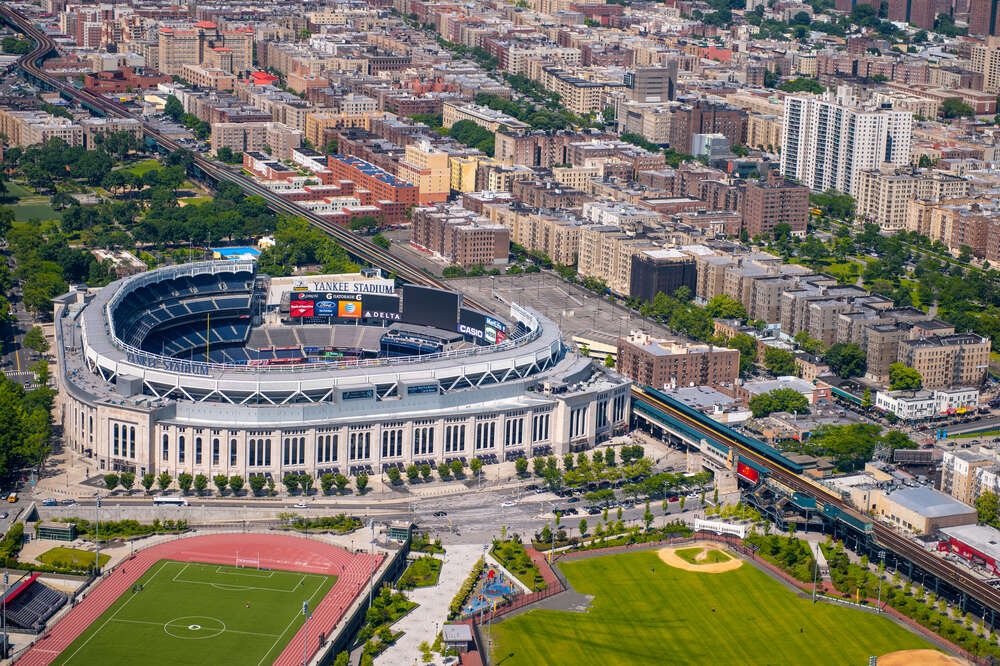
[(826, 141)]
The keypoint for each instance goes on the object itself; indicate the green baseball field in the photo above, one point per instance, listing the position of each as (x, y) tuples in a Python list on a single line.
[(646, 612), (189, 613)]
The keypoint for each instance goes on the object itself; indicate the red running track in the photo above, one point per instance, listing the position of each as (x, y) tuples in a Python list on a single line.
[(289, 553)]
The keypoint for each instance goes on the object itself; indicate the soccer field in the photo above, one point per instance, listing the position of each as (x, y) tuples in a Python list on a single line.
[(190, 613), (646, 612)]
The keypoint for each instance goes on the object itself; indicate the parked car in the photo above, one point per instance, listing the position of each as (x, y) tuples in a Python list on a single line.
[(301, 505), (440, 514), (508, 503), (49, 501), (69, 501)]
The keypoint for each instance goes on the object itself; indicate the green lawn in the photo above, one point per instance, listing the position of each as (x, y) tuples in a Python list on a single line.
[(142, 167), (70, 558), (197, 614), (645, 612), (17, 190), (40, 211)]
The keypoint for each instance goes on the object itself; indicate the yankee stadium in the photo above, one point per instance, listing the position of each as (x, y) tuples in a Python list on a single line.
[(212, 368)]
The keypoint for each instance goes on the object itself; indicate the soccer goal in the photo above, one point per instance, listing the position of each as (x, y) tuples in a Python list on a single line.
[(245, 562)]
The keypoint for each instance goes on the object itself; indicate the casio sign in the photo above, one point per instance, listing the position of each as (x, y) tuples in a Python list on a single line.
[(468, 330)]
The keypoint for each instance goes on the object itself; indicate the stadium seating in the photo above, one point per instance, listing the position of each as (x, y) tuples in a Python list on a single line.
[(33, 606)]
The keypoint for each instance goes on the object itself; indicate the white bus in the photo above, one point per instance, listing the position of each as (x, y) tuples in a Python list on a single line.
[(175, 501)]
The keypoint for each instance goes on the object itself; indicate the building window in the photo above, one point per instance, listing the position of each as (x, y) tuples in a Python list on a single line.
[(232, 452), (165, 456), (215, 451), (180, 449), (115, 450), (131, 442), (197, 450)]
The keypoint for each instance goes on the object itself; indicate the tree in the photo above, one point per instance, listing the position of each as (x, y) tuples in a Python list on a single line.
[(127, 480), (476, 465), (726, 307), (954, 107), (457, 467), (257, 483), (220, 482), (361, 482), (394, 475), (846, 359), (583, 526), (306, 481), (164, 480), (444, 471), (236, 484), (291, 481), (425, 472), (35, 339), (779, 361), (148, 479), (341, 482), (173, 108), (987, 508), (326, 483), (200, 483), (184, 481), (538, 465), (111, 481), (747, 347), (521, 465), (412, 473), (903, 378), (779, 400)]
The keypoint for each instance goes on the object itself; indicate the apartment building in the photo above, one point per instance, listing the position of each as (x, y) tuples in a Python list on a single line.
[(985, 59), (554, 234), (923, 404), (660, 270), (204, 42), (884, 194), (464, 171), (460, 236), (827, 141), (650, 121), (663, 363), (960, 471), (93, 127), (766, 204), (201, 76), (26, 128), (274, 138), (652, 84), (427, 168), (973, 223), (945, 361)]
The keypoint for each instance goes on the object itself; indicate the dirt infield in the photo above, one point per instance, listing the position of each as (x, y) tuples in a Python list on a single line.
[(920, 658), (670, 556)]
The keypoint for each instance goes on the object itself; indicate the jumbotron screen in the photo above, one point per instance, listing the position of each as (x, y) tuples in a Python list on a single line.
[(425, 306)]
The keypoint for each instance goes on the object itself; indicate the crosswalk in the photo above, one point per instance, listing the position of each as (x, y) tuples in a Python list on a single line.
[(23, 377)]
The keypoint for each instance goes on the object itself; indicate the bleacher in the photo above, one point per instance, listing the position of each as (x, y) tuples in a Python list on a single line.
[(30, 604), (148, 307)]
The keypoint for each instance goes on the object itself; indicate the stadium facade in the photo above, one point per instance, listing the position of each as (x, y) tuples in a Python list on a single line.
[(209, 368)]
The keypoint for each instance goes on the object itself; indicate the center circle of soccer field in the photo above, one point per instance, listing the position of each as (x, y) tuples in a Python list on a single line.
[(194, 627)]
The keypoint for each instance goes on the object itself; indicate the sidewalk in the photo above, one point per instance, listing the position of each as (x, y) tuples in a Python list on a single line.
[(424, 623)]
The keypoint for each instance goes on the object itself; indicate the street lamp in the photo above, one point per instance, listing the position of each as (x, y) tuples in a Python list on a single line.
[(881, 555)]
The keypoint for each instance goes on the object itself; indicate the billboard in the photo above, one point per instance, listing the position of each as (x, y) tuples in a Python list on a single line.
[(747, 472), (326, 308), (425, 306), (380, 307), (472, 323), (299, 308), (349, 309)]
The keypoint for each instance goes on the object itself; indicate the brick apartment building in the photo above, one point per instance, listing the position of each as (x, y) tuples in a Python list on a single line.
[(460, 236), (660, 363), (768, 204)]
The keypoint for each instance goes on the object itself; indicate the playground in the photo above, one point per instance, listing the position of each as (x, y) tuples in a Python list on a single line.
[(493, 589)]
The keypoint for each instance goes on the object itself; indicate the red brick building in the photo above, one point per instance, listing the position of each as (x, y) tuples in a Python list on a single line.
[(768, 204), (123, 80), (374, 186)]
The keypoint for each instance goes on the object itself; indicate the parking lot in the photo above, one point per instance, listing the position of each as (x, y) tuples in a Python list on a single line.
[(575, 309)]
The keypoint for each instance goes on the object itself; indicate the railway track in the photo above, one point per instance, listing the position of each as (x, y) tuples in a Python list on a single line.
[(355, 245), (367, 251), (884, 535)]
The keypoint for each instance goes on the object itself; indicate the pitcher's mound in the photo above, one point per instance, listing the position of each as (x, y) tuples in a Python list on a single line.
[(704, 561), (920, 658)]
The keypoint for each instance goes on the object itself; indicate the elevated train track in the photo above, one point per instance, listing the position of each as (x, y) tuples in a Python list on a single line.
[(884, 536)]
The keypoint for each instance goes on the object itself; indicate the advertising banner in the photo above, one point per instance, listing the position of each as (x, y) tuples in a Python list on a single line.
[(349, 309), (301, 308)]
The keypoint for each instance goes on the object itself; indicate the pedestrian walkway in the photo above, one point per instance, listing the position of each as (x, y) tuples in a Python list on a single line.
[(424, 623)]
